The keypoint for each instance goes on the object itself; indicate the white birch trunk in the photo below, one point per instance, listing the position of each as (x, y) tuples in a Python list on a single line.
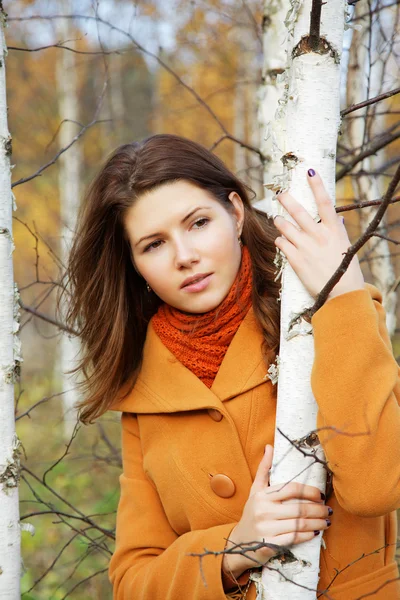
[(69, 175), (239, 124), (270, 91), (369, 187), (310, 107), (117, 97), (10, 537), (245, 109)]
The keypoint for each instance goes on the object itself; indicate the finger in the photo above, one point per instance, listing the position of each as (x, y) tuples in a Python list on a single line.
[(294, 489), (290, 232), (326, 209), (306, 510), (342, 225), (301, 525), (262, 476), (298, 213), (288, 249)]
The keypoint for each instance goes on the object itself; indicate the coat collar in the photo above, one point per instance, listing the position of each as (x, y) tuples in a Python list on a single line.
[(165, 385)]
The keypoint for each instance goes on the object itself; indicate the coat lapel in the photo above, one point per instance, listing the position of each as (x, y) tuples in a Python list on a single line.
[(166, 385)]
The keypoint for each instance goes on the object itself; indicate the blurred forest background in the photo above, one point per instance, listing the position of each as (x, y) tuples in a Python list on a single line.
[(174, 66)]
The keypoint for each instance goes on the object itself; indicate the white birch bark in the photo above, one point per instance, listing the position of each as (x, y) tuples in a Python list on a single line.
[(69, 175), (245, 109), (310, 109), (117, 96), (10, 542), (239, 124), (271, 90), (369, 187)]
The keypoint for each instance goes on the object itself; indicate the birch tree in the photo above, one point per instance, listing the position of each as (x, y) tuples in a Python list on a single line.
[(245, 126), (69, 176), (369, 58), (10, 358), (306, 135), (274, 34)]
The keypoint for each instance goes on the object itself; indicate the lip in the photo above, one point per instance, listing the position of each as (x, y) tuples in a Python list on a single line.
[(199, 285)]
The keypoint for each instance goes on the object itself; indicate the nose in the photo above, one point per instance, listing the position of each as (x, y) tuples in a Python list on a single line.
[(185, 254)]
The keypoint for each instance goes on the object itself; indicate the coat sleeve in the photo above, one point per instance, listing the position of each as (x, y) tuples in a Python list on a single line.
[(151, 561), (355, 381)]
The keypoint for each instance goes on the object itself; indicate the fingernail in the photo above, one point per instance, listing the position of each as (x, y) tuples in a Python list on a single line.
[(330, 511), (342, 219), (328, 522), (311, 172), (323, 497), (316, 532)]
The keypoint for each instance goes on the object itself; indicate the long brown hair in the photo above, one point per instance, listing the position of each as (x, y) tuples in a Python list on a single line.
[(109, 304)]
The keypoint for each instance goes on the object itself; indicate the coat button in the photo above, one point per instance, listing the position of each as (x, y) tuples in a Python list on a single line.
[(215, 414), (222, 485)]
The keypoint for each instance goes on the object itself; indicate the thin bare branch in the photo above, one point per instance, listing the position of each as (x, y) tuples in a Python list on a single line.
[(381, 142), (47, 318), (64, 48), (354, 107)]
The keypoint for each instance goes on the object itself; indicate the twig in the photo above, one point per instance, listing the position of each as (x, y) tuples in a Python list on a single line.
[(73, 141), (384, 237), (138, 46), (68, 446), (354, 107), (381, 142), (47, 318), (348, 207), (63, 48), (315, 24), (26, 413)]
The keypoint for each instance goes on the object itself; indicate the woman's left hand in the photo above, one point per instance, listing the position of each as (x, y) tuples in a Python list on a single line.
[(315, 250)]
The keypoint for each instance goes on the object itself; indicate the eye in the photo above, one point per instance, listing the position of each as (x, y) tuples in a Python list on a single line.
[(152, 246), (204, 220)]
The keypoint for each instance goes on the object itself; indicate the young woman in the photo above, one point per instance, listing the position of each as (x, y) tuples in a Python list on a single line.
[(174, 293)]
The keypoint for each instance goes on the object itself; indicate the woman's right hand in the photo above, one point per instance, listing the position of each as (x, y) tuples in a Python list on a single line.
[(265, 518)]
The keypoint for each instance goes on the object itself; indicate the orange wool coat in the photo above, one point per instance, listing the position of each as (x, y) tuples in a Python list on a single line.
[(178, 436)]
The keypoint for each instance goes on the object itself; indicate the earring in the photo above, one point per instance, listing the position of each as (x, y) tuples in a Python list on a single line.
[(148, 287), (240, 241)]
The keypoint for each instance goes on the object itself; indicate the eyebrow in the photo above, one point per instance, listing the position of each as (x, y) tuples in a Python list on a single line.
[(183, 220)]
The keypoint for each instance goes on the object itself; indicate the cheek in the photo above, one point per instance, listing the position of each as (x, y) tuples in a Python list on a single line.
[(220, 242)]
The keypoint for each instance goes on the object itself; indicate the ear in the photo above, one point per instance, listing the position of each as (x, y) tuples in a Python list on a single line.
[(238, 210)]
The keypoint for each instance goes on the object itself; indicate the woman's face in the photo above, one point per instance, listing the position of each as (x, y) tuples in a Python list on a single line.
[(178, 246)]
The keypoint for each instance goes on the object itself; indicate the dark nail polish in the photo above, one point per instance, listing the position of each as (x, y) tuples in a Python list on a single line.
[(311, 172), (323, 497), (330, 511), (316, 532), (328, 522)]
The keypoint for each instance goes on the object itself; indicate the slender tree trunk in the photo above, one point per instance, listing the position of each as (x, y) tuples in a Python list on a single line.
[(69, 177), (363, 69), (117, 98), (239, 125), (247, 164), (271, 90), (10, 537), (310, 112)]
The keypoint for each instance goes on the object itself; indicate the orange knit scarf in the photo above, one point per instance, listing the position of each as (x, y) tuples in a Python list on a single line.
[(200, 341)]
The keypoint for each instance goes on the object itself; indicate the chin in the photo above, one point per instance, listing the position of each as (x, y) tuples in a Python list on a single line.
[(202, 305)]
